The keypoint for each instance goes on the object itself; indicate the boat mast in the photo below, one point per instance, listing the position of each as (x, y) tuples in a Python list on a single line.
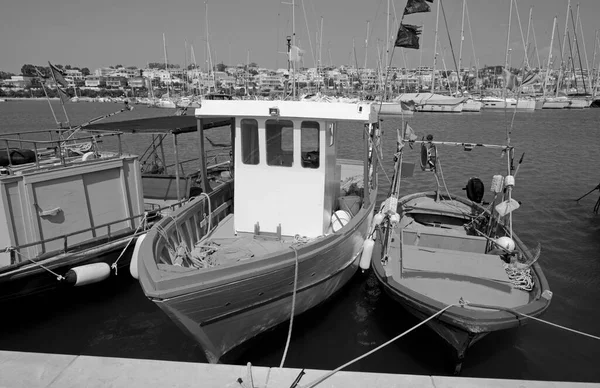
[(366, 52), (462, 38), (435, 39), (578, 52), (562, 53), (587, 63), (592, 77), (166, 62), (506, 55), (210, 63), (549, 59)]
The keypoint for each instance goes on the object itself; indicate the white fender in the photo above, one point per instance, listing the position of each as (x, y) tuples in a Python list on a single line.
[(89, 156), (367, 252), (87, 274), (133, 264)]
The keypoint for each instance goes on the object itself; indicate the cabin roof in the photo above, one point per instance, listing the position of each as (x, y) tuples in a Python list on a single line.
[(293, 109), (163, 124)]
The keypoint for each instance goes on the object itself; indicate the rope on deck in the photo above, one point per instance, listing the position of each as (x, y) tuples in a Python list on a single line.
[(58, 277), (329, 374), (467, 303)]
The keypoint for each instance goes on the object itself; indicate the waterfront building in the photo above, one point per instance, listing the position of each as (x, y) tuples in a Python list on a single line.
[(116, 82), (95, 81), (19, 81)]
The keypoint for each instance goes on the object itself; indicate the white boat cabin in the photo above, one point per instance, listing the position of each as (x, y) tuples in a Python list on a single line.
[(287, 177)]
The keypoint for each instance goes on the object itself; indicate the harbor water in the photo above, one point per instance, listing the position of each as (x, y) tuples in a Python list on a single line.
[(560, 164)]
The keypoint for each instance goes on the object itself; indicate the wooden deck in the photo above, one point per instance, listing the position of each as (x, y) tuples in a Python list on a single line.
[(446, 264)]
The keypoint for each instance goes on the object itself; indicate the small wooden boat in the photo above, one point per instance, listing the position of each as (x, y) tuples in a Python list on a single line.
[(67, 219), (281, 237), (438, 250)]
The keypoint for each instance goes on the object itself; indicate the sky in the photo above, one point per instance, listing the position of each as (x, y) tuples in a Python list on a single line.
[(94, 34)]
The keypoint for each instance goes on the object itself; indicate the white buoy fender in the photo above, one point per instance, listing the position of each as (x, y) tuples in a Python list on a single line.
[(87, 274), (339, 219), (378, 219), (133, 264), (89, 156), (506, 243), (367, 252)]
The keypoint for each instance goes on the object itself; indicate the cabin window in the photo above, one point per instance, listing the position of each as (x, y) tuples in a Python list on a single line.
[(280, 142), (250, 150), (310, 144)]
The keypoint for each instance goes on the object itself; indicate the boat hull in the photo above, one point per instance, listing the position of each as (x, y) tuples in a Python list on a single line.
[(217, 336), (32, 279), (510, 103), (460, 327), (552, 104), (472, 106), (223, 307), (578, 103)]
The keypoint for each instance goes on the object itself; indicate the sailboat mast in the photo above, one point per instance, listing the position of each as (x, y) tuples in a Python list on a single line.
[(564, 45), (210, 62), (592, 77), (549, 58), (462, 38), (435, 39), (578, 52), (366, 52), (506, 55), (587, 63), (166, 62), (294, 45)]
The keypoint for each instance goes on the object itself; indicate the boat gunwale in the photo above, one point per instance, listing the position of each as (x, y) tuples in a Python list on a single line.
[(459, 316)]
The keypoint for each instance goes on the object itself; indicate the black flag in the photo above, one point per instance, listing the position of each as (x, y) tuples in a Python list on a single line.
[(415, 6), (408, 36)]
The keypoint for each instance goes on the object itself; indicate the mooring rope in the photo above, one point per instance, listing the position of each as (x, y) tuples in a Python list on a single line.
[(465, 302), (289, 336), (329, 374), (58, 277), (142, 224)]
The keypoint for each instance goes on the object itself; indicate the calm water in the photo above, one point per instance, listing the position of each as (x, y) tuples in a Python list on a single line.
[(561, 157)]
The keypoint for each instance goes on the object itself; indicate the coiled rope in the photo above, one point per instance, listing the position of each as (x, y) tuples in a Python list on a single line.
[(329, 374)]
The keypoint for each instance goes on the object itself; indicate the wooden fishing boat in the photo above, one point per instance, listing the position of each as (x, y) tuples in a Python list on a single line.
[(283, 236), (437, 250), (67, 218)]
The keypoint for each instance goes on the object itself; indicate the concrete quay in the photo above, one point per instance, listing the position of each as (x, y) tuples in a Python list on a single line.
[(40, 370)]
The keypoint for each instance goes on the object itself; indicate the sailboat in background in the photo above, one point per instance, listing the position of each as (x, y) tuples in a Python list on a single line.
[(166, 101), (433, 102)]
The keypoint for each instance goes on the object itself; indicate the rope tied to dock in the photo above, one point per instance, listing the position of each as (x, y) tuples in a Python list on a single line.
[(329, 374)]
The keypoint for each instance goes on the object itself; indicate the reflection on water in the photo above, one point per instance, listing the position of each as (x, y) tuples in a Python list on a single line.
[(561, 156)]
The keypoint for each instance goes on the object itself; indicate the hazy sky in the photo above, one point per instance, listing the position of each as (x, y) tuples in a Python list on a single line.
[(92, 34)]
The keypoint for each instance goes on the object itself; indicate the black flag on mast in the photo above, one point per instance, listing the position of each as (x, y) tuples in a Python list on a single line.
[(408, 36), (415, 6)]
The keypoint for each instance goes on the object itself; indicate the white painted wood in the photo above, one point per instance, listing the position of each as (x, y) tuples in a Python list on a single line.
[(336, 111)]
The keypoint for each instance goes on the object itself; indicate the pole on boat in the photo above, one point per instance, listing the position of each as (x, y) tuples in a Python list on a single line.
[(205, 184), (366, 195), (176, 166)]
